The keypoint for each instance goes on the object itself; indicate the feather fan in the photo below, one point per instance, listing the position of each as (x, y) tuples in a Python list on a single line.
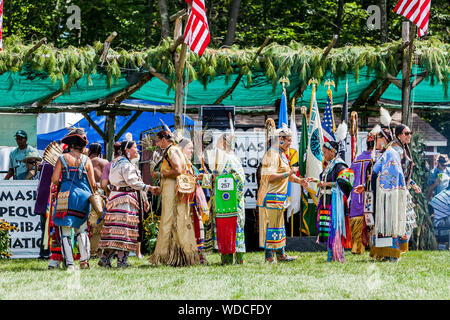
[(385, 117), (341, 132)]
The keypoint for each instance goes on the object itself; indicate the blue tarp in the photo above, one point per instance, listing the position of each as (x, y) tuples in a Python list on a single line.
[(146, 121)]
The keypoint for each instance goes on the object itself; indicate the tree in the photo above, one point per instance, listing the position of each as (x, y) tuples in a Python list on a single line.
[(384, 24), (235, 4), (338, 21), (149, 22), (164, 14)]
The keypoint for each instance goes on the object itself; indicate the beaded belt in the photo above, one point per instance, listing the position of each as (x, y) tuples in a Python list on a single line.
[(123, 189)]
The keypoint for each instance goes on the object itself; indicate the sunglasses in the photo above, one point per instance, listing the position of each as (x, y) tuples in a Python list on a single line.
[(407, 133), (31, 162)]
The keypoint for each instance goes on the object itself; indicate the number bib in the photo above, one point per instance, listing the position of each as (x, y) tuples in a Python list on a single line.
[(225, 194)]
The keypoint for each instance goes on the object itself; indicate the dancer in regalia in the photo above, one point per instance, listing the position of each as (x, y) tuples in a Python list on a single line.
[(403, 136), (176, 244), (362, 168), (120, 231), (197, 201), (336, 182), (228, 200), (272, 193), (389, 198), (75, 174)]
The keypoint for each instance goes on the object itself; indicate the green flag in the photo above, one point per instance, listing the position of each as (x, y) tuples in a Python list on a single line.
[(308, 207)]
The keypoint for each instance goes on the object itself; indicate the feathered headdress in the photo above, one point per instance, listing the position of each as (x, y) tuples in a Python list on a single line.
[(283, 131), (376, 130), (129, 136), (340, 134), (178, 135), (166, 127)]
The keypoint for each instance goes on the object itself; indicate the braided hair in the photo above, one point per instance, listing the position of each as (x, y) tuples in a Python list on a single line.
[(95, 148), (126, 144)]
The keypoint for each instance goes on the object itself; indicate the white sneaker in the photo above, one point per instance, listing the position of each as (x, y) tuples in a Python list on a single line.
[(70, 268)]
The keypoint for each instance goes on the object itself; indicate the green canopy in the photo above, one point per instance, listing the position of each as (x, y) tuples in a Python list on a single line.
[(18, 89), (28, 77)]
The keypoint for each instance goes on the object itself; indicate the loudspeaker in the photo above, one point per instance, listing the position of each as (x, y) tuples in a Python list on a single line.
[(216, 117)]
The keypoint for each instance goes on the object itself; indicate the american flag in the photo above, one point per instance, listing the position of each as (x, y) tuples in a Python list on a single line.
[(196, 34), (1, 25), (328, 122), (416, 11)]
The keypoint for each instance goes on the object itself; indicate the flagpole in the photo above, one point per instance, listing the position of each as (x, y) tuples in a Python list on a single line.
[(304, 113), (292, 213)]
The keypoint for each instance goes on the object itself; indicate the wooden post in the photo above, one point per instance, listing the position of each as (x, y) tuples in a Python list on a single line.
[(179, 59), (408, 34), (303, 85), (110, 130), (106, 46), (238, 79)]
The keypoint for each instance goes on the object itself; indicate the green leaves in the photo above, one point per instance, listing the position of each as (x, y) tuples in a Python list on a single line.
[(423, 237), (275, 61)]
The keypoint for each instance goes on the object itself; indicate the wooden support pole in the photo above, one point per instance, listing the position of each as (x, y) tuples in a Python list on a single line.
[(394, 80), (238, 79), (110, 129), (179, 61), (365, 94), (35, 47), (106, 46), (128, 91), (420, 77), (118, 97), (95, 126), (375, 90), (176, 43), (373, 100), (158, 75), (127, 125), (177, 15), (179, 91), (302, 87)]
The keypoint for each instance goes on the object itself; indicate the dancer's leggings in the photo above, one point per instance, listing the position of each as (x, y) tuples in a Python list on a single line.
[(269, 253), (83, 243)]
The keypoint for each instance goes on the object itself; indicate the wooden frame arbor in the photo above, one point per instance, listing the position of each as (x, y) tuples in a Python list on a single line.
[(171, 60)]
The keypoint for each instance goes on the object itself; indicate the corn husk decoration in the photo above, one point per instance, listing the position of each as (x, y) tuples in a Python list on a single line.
[(52, 153)]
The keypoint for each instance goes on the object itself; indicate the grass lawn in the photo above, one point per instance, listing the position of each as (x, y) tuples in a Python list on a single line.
[(418, 275)]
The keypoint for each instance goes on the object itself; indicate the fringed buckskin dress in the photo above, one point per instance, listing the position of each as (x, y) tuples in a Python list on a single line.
[(176, 244), (390, 205)]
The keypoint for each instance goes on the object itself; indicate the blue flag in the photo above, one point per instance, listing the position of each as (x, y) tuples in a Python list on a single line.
[(283, 116)]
